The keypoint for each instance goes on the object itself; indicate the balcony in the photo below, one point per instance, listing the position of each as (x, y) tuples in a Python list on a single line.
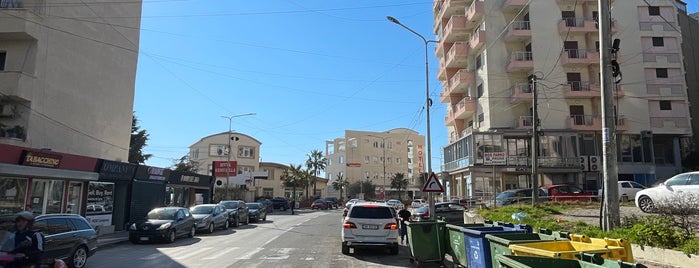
[(577, 25), (448, 8), (520, 61), (19, 24), (477, 40), (518, 31), (465, 108), (581, 90), (513, 6), (455, 30), (15, 83), (579, 57), (524, 122), (458, 83), (521, 93), (457, 56), (622, 124), (451, 120), (670, 125), (585, 122), (474, 13)]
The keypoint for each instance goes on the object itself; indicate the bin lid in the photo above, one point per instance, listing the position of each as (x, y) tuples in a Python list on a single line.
[(516, 238)]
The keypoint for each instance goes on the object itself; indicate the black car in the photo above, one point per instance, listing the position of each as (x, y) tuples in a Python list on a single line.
[(280, 203), (449, 211), (238, 211), (517, 196), (258, 211), (332, 202), (166, 223), (208, 217), (68, 237), (268, 204)]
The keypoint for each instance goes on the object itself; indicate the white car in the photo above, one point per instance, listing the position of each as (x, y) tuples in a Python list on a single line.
[(687, 183), (418, 203), (395, 203), (370, 225), (627, 190)]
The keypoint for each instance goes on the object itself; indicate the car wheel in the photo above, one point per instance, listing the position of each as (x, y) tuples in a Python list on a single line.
[(345, 248), (394, 249), (192, 232), (645, 204), (79, 258), (227, 225), (171, 236), (211, 228)]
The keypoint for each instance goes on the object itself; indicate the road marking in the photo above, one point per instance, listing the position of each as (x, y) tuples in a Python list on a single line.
[(221, 253), (192, 253), (279, 254), (152, 256), (249, 254)]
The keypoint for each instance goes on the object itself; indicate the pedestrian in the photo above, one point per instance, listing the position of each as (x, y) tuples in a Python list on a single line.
[(293, 204), (404, 216), (29, 245)]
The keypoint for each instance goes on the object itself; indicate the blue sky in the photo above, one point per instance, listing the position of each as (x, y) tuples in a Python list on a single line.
[(308, 69)]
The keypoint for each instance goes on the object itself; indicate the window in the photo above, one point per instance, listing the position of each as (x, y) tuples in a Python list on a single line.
[(366, 159), (653, 11), (397, 160), (218, 150), (479, 61), (3, 56), (268, 191), (481, 117), (245, 169), (58, 226), (12, 193), (480, 90), (661, 73), (658, 42), (665, 105), (246, 152)]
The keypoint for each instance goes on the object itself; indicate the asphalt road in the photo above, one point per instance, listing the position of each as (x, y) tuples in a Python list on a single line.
[(310, 239)]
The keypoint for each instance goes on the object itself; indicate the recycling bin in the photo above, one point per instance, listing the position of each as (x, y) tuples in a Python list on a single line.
[(456, 245), (512, 261), (626, 256), (500, 242), (566, 250), (427, 240), (478, 247)]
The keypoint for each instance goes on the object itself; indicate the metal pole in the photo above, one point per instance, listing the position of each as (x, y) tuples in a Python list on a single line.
[(228, 168), (610, 204), (535, 143), (383, 140)]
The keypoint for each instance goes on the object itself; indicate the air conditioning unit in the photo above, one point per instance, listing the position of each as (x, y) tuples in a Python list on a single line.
[(7, 109), (595, 163), (584, 164), (646, 134)]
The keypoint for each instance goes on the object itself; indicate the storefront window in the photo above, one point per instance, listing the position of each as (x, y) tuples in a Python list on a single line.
[(177, 196), (100, 203), (47, 196), (12, 195), (75, 191)]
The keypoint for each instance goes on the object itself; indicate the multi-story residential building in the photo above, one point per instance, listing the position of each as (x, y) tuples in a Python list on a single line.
[(689, 26), (487, 62), (273, 186), (376, 157)]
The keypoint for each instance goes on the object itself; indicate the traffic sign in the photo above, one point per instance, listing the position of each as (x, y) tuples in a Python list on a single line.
[(432, 185)]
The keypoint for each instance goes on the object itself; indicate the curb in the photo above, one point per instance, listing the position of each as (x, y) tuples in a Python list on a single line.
[(663, 257)]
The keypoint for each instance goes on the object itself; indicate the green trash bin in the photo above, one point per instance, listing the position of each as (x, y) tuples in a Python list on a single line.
[(456, 245), (500, 242), (511, 261), (427, 243)]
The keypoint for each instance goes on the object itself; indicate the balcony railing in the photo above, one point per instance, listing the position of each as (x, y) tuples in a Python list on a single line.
[(455, 29), (524, 122), (580, 57), (518, 31), (669, 122), (579, 85), (521, 92), (579, 25), (475, 11), (520, 61)]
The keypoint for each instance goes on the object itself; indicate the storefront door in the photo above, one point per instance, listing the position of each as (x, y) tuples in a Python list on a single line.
[(75, 190), (47, 196)]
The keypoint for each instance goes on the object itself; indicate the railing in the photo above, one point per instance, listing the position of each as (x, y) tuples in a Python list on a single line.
[(574, 22), (472, 7), (522, 56), (660, 122), (576, 53), (583, 120), (524, 121), (560, 162), (460, 163), (621, 120), (521, 25), (579, 85)]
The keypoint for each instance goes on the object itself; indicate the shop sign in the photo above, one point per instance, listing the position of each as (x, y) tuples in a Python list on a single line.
[(225, 168), (420, 164), (100, 203), (116, 170), (156, 174), (40, 159), (494, 158), (190, 179)]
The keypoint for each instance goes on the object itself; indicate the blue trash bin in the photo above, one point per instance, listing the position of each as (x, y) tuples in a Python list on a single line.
[(478, 247)]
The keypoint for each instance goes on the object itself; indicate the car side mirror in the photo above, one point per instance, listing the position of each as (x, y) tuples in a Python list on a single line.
[(180, 218)]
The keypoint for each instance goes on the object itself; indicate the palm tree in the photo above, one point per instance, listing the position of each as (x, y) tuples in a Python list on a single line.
[(292, 178), (339, 184), (317, 163), (399, 182)]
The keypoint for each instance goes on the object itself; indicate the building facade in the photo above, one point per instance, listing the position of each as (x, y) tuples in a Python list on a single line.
[(376, 157), (487, 65), (273, 186)]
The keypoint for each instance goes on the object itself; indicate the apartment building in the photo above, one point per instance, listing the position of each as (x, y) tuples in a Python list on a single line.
[(489, 51), (376, 157)]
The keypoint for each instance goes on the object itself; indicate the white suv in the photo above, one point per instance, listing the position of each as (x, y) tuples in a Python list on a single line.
[(370, 225), (684, 183)]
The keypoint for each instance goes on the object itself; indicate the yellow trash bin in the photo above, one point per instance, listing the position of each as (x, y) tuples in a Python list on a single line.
[(566, 250)]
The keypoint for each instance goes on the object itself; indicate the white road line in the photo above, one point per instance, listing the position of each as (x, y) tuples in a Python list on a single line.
[(152, 256), (221, 253), (249, 254), (191, 253)]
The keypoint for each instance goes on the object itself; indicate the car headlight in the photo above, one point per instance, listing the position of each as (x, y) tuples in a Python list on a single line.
[(133, 227), (165, 226)]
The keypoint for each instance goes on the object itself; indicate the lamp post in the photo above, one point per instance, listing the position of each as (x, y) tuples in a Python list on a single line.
[(383, 140), (228, 170), (428, 103)]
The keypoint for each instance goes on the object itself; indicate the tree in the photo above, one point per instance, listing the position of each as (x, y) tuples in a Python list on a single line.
[(139, 138), (339, 184), (365, 187), (186, 164), (292, 178), (400, 183), (317, 163), (306, 178)]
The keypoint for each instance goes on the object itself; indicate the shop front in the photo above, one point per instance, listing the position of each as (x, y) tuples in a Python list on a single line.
[(147, 191), (185, 189), (108, 198), (43, 181)]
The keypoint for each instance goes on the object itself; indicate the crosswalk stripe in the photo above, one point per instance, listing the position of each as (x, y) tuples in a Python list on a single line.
[(221, 253), (191, 253), (249, 254)]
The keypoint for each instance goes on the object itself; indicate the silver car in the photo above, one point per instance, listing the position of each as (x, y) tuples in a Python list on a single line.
[(208, 217)]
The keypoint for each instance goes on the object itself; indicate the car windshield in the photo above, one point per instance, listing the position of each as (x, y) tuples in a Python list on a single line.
[(319, 201), (202, 210), (505, 195), (253, 205), (422, 210), (162, 214), (371, 212), (230, 204)]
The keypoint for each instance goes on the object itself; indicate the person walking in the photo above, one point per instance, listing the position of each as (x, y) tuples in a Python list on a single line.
[(293, 204), (404, 216), (29, 245)]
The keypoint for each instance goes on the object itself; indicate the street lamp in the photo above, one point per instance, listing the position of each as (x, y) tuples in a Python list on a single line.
[(228, 170), (383, 144), (428, 103)]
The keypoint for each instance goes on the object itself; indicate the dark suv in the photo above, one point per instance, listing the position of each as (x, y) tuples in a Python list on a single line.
[(280, 203), (332, 202), (239, 211), (68, 237)]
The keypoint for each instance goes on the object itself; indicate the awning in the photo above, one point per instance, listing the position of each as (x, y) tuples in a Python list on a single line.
[(52, 173)]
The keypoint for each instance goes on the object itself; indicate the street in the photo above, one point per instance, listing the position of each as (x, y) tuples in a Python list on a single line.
[(308, 239)]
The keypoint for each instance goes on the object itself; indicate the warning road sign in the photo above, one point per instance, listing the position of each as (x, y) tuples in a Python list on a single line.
[(432, 185)]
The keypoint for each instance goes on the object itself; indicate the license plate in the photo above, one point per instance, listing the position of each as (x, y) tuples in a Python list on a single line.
[(370, 227), (144, 238)]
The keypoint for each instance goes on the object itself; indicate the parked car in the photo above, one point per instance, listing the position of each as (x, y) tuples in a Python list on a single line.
[(68, 237), (258, 211), (418, 203), (268, 204), (237, 210), (627, 190), (319, 204), (684, 183), (353, 201), (332, 202), (166, 223), (449, 211), (518, 196), (565, 192), (395, 203), (280, 203), (208, 217), (370, 225)]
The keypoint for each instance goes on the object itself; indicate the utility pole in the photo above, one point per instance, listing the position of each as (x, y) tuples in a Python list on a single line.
[(610, 204), (383, 145), (535, 143)]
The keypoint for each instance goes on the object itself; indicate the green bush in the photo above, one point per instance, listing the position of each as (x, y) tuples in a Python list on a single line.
[(690, 246)]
